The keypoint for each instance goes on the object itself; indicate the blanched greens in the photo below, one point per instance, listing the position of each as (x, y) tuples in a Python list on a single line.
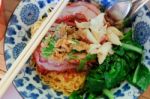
[(141, 77), (124, 64)]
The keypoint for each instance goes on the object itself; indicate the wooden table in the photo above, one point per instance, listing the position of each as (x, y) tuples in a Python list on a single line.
[(9, 6)]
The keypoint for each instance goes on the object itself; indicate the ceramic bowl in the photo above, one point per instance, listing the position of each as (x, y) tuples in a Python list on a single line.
[(18, 34)]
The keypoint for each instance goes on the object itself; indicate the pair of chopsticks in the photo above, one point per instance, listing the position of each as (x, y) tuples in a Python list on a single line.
[(31, 46)]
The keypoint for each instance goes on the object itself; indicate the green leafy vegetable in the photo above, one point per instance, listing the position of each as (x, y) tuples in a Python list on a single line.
[(127, 36), (111, 73), (83, 62), (128, 22), (116, 68), (129, 44), (116, 74), (75, 95), (91, 96), (108, 93), (49, 49), (95, 83), (141, 77), (132, 48)]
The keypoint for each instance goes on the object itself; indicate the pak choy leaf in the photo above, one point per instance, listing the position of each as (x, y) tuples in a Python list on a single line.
[(95, 83), (91, 96), (113, 70), (75, 95), (132, 48), (129, 44), (79, 95), (116, 74), (108, 93), (116, 68), (141, 77), (127, 36), (128, 22)]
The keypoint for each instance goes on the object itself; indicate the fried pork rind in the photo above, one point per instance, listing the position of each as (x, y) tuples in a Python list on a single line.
[(113, 38), (112, 29), (104, 51), (97, 30)]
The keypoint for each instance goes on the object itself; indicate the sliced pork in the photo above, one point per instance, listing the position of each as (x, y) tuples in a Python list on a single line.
[(81, 12)]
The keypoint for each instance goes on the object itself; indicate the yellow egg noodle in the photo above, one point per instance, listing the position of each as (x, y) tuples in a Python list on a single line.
[(65, 82)]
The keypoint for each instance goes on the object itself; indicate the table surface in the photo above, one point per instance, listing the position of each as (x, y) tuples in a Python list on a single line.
[(9, 6)]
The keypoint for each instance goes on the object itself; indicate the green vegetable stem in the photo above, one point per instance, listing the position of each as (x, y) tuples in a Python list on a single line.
[(108, 93), (132, 48)]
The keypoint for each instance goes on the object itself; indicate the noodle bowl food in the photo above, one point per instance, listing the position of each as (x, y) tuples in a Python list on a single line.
[(84, 49)]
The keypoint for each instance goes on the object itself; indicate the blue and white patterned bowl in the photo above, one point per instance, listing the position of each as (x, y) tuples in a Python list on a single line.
[(27, 81)]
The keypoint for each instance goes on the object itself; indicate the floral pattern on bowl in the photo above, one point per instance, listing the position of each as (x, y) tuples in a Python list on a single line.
[(18, 34), (141, 28)]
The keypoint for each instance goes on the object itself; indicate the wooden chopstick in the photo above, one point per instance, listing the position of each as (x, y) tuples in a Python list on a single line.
[(31, 46)]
